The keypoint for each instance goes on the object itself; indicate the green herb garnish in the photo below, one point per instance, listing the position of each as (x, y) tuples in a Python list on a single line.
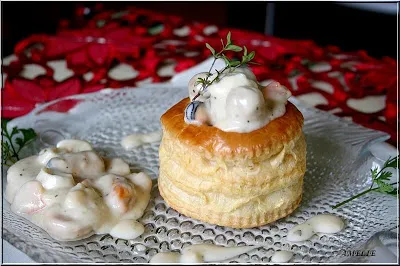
[(380, 179), (231, 64), (20, 136)]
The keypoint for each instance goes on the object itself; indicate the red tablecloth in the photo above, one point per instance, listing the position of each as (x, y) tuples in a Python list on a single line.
[(147, 40)]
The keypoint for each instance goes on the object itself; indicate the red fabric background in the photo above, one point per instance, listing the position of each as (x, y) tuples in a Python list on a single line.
[(139, 38)]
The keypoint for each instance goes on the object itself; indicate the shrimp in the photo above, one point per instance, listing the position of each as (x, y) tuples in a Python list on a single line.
[(64, 228), (121, 196), (276, 92), (29, 199)]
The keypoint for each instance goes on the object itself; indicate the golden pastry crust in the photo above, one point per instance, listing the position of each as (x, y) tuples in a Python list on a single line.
[(234, 221), (232, 179), (265, 141)]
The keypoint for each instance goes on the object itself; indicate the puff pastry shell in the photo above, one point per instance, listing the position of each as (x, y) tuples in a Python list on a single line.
[(240, 180)]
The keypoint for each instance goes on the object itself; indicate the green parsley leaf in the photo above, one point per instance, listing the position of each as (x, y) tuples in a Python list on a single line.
[(29, 134), (384, 187), (13, 142), (391, 163), (379, 181)]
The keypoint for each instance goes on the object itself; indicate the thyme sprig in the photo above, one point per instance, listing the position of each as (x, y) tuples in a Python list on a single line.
[(381, 180), (20, 136), (230, 64)]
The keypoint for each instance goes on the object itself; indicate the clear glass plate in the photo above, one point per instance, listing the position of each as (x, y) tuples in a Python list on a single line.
[(338, 166)]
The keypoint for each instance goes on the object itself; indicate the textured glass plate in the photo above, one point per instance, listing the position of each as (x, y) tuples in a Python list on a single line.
[(338, 164)]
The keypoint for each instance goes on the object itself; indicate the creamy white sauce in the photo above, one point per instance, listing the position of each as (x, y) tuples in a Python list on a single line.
[(127, 229), (200, 253), (72, 192), (281, 256), (237, 103), (135, 140), (323, 223), (74, 145)]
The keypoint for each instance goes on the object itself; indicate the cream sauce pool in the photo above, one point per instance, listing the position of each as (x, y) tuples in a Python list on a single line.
[(200, 253), (282, 256), (72, 192), (323, 223), (135, 140)]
